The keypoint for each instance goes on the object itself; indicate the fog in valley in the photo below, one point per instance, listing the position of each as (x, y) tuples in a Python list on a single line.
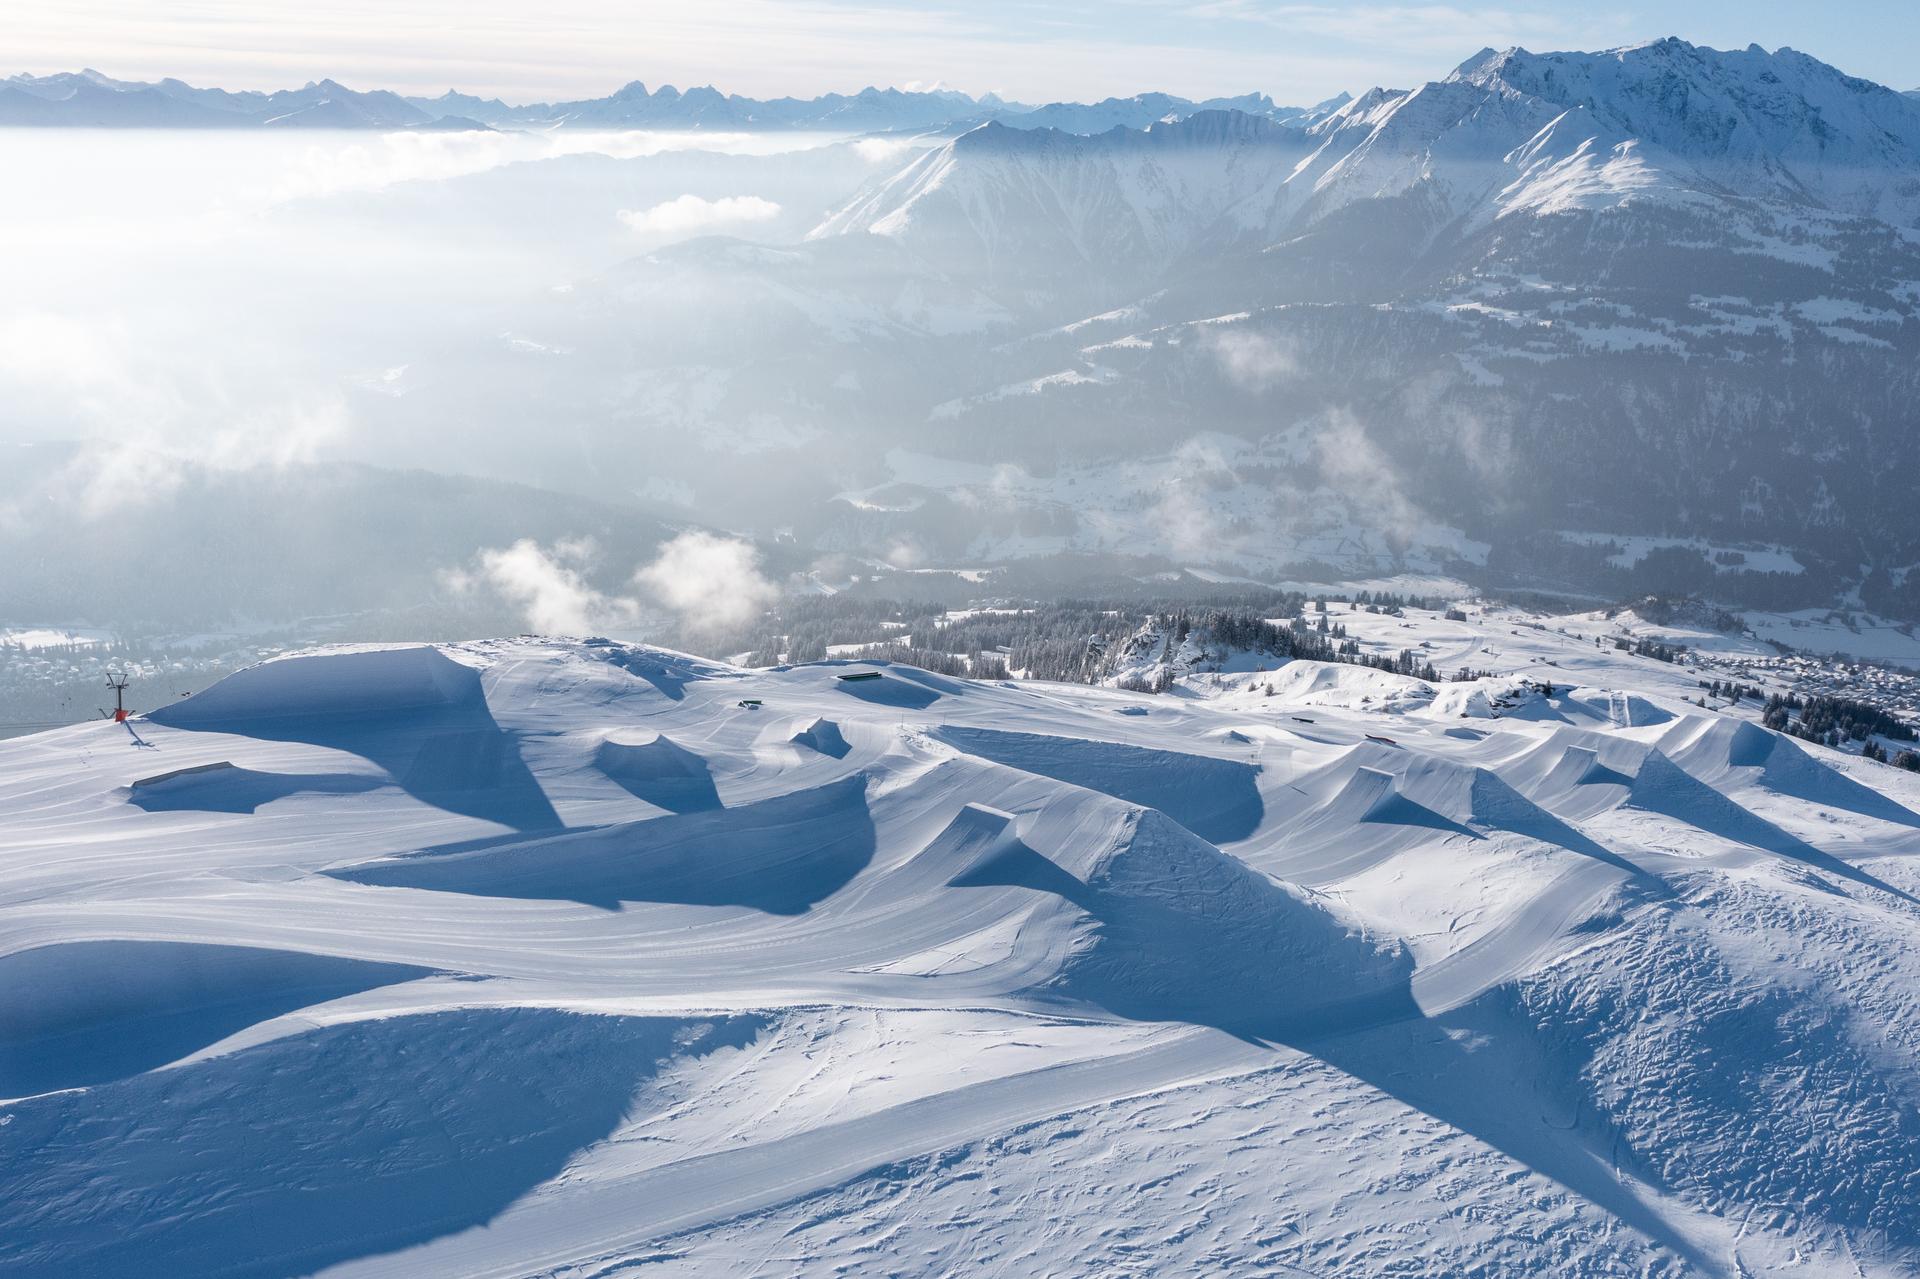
[(252, 383), (277, 386)]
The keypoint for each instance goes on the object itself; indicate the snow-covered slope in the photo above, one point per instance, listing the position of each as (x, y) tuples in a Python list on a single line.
[(1775, 124), (1122, 203), (1145, 109), (1506, 132), (572, 958)]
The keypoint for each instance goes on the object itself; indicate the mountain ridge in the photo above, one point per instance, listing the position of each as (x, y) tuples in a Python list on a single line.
[(89, 97), (1510, 130)]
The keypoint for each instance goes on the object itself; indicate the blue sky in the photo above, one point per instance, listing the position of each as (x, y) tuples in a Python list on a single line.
[(1299, 52)]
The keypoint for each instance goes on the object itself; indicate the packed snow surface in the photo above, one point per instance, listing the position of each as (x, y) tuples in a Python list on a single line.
[(577, 959)]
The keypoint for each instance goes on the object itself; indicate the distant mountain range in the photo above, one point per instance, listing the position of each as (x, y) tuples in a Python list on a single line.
[(1507, 133), (90, 99), (1513, 319)]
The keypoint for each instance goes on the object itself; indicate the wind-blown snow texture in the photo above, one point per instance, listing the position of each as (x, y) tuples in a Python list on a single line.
[(568, 958)]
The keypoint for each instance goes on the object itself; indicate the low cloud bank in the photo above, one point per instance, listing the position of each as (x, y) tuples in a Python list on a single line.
[(705, 581), (691, 213), (1254, 361), (708, 581)]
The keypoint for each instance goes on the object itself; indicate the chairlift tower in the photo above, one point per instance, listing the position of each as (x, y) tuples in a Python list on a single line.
[(118, 683)]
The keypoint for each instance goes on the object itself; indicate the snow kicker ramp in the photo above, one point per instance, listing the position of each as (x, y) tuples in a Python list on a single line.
[(415, 713), (1166, 927), (780, 856), (227, 789), (1380, 802), (1152, 923), (84, 1013), (1733, 753), (661, 771), (824, 736), (1216, 799)]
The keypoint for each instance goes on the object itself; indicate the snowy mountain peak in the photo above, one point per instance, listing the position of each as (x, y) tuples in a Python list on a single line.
[(1049, 200), (1781, 123), (1320, 109), (1708, 102), (1367, 107), (1508, 132)]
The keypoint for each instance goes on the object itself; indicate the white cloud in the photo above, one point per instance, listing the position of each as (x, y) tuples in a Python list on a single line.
[(1187, 522), (706, 580), (1186, 511), (690, 213), (1354, 466), (151, 419), (1253, 361), (709, 581), (884, 150), (337, 163), (548, 588)]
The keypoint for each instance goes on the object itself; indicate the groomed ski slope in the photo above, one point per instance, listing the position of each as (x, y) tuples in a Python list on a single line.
[(579, 959)]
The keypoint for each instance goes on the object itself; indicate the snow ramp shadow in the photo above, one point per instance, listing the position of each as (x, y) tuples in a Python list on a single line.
[(81, 1013), (669, 672), (348, 1141), (1663, 787), (1375, 813), (1728, 751), (781, 856), (1581, 781), (1165, 927), (1217, 799), (1169, 928), (824, 737), (231, 789), (662, 772), (414, 712)]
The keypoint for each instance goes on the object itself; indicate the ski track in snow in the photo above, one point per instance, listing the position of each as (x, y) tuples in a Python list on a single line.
[(558, 958)]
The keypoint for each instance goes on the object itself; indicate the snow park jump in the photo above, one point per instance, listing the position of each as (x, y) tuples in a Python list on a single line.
[(509, 910)]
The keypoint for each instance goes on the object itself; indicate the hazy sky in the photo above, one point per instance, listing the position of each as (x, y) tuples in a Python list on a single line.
[(1020, 48)]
